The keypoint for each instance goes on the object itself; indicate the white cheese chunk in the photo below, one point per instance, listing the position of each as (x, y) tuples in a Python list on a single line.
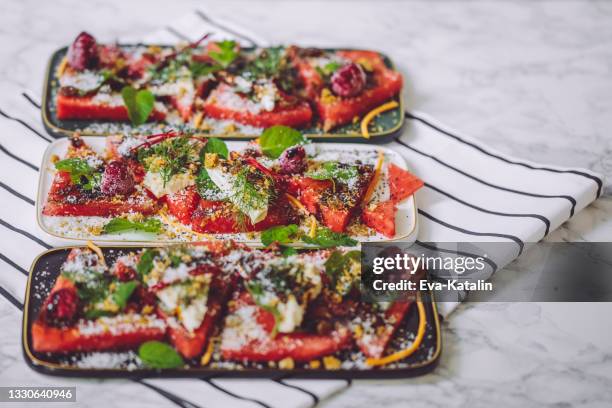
[(291, 315), (178, 182)]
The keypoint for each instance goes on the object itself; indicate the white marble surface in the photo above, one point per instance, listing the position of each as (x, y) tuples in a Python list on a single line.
[(530, 79)]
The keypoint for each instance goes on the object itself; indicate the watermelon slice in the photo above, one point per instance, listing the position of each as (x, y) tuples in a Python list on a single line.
[(300, 347), (82, 107), (381, 218), (402, 183), (293, 114), (374, 344)]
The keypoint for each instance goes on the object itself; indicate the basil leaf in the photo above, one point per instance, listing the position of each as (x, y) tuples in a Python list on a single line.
[(139, 104), (81, 173), (123, 292), (95, 313), (326, 238), (276, 139), (226, 54), (145, 264), (159, 355), (214, 145), (122, 224), (334, 171), (283, 234)]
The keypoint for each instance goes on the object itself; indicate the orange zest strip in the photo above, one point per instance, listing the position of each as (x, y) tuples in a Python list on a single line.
[(296, 203), (97, 250), (402, 354), (377, 171), (372, 114)]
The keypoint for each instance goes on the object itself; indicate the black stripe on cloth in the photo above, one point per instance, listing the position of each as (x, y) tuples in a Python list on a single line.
[(23, 123), (29, 99), (240, 397), (11, 298), (596, 179), (545, 220), (315, 399), (16, 193), (181, 402), (572, 200), (19, 159), (13, 264), (488, 260), (177, 34), (25, 234), (223, 27), (514, 238)]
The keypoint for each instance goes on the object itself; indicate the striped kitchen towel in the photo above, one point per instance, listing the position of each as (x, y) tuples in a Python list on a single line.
[(472, 194)]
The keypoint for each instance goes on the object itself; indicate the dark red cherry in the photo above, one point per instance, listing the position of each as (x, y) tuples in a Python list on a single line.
[(293, 160), (83, 53), (62, 308), (349, 80), (117, 179)]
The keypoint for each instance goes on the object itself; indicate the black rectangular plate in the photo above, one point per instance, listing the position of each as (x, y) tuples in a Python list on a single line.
[(44, 272), (391, 122)]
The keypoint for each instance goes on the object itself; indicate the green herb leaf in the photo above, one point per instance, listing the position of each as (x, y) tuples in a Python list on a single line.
[(340, 268), (334, 171), (123, 292), (122, 224), (227, 53), (139, 104), (145, 264), (283, 234), (95, 313), (81, 173), (276, 139), (328, 69), (159, 355), (214, 145), (288, 251), (199, 69), (326, 238), (269, 63)]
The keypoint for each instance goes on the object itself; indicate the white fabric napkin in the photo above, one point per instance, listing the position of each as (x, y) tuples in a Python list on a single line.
[(472, 194)]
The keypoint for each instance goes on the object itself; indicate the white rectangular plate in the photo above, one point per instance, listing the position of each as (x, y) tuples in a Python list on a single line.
[(78, 228)]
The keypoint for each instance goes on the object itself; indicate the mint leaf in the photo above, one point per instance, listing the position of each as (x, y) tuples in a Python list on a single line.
[(122, 224), (123, 292), (276, 139), (283, 234), (145, 264), (139, 104), (81, 173), (156, 354), (227, 53), (334, 171), (214, 145), (326, 238)]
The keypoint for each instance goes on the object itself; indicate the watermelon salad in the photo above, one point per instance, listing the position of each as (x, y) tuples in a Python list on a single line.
[(220, 305), (219, 88), (279, 188)]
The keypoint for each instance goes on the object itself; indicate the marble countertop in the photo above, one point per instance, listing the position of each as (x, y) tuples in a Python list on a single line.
[(532, 79)]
